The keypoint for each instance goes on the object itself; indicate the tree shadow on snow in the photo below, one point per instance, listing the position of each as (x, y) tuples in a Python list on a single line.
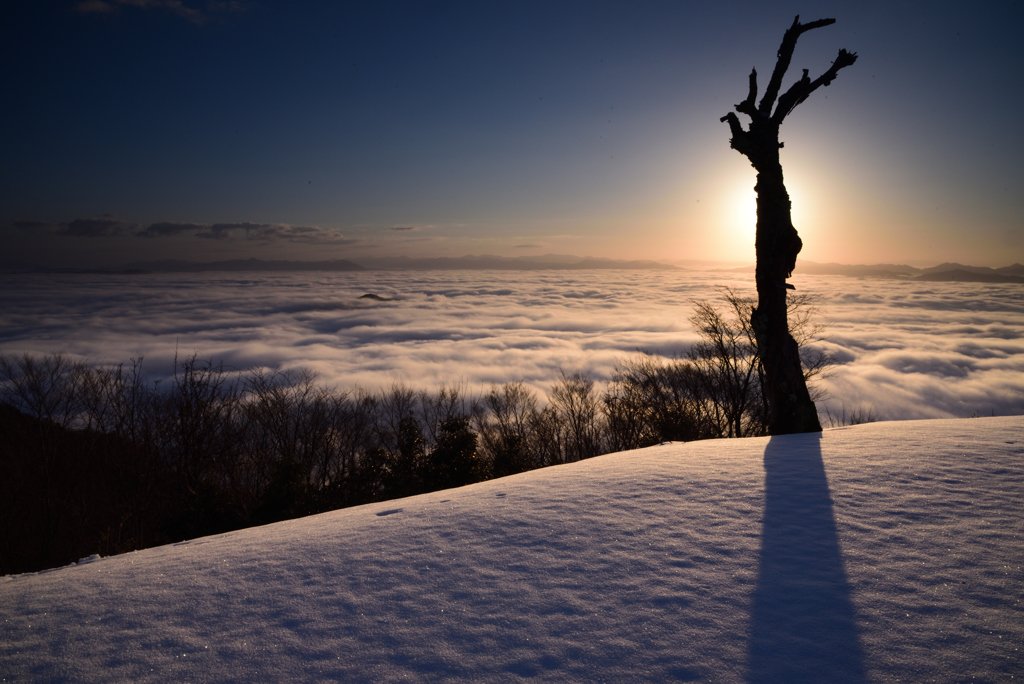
[(803, 626)]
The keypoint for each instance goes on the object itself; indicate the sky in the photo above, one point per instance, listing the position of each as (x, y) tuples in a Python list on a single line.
[(881, 552), (153, 129)]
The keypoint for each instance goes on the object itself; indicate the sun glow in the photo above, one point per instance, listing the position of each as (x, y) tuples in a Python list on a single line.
[(739, 214), (742, 213), (803, 212), (725, 228)]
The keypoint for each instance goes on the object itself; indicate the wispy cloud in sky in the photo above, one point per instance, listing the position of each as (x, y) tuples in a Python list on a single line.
[(111, 226), (169, 228), (107, 225), (270, 232), (173, 7), (100, 227), (906, 350)]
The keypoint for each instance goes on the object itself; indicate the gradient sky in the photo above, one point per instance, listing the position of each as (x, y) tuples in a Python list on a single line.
[(147, 129)]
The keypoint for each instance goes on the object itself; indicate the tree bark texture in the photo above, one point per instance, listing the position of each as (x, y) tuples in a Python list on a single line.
[(790, 408)]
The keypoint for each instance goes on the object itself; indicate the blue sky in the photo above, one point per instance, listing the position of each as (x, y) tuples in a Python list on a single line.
[(141, 129)]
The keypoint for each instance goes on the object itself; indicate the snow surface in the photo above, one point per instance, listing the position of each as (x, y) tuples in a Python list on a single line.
[(882, 552)]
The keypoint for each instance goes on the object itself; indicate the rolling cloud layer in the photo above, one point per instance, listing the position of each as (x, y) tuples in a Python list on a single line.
[(906, 350)]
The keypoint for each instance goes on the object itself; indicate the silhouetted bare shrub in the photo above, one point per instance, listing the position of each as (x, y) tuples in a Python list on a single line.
[(717, 388), (652, 400), (454, 461), (48, 388), (506, 426), (727, 369), (858, 416), (574, 416)]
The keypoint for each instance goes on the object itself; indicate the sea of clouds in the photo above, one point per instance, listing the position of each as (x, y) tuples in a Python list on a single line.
[(905, 349)]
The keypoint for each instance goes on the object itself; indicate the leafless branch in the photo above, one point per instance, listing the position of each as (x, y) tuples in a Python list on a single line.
[(785, 56), (747, 106), (800, 90), (740, 138)]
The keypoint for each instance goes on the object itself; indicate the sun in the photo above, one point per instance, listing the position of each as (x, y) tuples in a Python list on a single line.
[(733, 213), (739, 211)]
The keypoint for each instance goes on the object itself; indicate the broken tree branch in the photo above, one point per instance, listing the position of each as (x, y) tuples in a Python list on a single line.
[(785, 56), (740, 138), (800, 90), (747, 106)]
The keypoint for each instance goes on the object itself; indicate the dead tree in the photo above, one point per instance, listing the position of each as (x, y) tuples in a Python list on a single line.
[(790, 408)]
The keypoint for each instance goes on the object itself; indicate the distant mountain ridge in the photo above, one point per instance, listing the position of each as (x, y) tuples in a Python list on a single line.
[(491, 262), (1014, 270), (946, 272), (858, 270), (960, 275)]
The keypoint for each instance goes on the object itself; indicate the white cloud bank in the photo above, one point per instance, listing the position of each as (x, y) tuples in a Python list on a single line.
[(879, 553), (908, 350)]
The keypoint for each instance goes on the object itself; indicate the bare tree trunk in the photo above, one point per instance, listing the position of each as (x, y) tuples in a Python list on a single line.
[(789, 402), (790, 408)]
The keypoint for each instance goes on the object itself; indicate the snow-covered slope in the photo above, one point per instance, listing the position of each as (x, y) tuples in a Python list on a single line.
[(882, 552)]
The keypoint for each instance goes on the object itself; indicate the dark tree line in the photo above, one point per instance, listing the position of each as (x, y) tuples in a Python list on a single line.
[(96, 460)]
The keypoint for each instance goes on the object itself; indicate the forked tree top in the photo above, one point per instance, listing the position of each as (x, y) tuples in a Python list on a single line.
[(762, 113)]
